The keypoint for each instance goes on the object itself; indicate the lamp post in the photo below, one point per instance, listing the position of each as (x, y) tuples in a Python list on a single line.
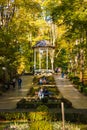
[(82, 65), (70, 65), (76, 56), (4, 73)]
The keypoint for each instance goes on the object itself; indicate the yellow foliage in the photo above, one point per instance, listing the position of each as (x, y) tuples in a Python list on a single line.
[(21, 66)]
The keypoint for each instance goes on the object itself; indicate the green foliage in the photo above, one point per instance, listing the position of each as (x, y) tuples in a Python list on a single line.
[(16, 34), (31, 91), (72, 15), (41, 125), (52, 103), (39, 116), (67, 103), (42, 108), (78, 84), (76, 116), (13, 116), (76, 79), (62, 60), (1, 93)]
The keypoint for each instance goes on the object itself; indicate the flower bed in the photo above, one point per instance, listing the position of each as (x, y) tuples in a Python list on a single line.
[(41, 125), (52, 100)]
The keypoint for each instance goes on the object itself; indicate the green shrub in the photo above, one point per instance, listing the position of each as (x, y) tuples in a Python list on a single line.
[(81, 87), (67, 103), (24, 104), (74, 78), (85, 90), (41, 125), (21, 103), (12, 116), (3, 89), (42, 108), (45, 100), (1, 93), (39, 116), (70, 75), (73, 116), (31, 91), (35, 79)]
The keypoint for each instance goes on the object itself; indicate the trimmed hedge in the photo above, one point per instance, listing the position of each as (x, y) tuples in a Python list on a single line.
[(74, 116), (78, 84), (24, 104)]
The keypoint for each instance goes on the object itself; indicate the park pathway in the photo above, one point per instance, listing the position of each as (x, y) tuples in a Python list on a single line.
[(68, 91), (9, 99)]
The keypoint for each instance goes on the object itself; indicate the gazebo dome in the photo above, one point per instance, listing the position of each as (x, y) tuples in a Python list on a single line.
[(43, 43)]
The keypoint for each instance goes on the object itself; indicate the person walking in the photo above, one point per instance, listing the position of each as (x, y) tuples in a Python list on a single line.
[(19, 82), (62, 74)]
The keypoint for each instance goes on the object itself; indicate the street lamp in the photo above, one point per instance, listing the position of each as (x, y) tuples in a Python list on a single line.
[(4, 68), (70, 65), (82, 64), (4, 72)]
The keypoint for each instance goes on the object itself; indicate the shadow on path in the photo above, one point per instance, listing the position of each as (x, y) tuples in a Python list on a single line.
[(9, 99), (69, 92)]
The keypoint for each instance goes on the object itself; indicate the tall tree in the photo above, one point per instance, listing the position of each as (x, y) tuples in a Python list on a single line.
[(15, 32)]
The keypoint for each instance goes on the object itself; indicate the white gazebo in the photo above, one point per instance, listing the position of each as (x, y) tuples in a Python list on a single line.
[(43, 56)]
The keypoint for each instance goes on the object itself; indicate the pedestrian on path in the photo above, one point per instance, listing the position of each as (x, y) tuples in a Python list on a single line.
[(62, 75), (19, 82)]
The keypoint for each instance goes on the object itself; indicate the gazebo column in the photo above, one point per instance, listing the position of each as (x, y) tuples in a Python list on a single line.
[(52, 59), (47, 58), (39, 59), (52, 63), (34, 59)]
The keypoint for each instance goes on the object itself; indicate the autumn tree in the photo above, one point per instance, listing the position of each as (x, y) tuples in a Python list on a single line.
[(15, 33), (72, 15)]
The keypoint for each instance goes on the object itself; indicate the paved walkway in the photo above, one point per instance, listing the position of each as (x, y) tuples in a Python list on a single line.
[(69, 92), (9, 99)]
